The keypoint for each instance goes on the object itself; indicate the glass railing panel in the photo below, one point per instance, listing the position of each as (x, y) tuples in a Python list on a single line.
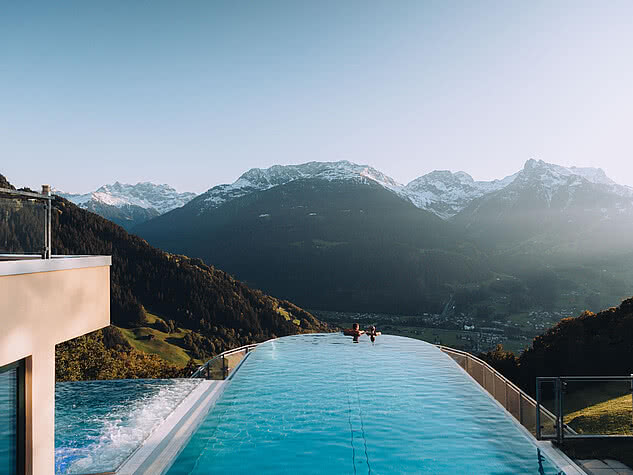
[(22, 226), (598, 407)]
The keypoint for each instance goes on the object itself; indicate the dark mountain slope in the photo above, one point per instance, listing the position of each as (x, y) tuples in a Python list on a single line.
[(196, 296), (333, 244), (126, 216), (5, 184)]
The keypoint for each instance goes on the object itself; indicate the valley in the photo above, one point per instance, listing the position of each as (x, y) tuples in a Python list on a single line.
[(525, 250)]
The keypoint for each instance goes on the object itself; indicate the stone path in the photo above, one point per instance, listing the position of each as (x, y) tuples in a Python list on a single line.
[(604, 467)]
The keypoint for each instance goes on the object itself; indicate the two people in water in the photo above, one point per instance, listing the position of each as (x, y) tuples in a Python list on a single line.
[(356, 332)]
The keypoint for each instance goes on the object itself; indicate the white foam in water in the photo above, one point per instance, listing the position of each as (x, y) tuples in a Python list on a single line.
[(124, 429)]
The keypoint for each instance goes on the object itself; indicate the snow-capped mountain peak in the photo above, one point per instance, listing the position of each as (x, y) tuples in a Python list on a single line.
[(549, 171), (146, 195), (446, 193), (551, 177), (258, 179)]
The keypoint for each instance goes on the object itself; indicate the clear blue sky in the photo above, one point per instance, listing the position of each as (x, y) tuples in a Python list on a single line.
[(194, 93)]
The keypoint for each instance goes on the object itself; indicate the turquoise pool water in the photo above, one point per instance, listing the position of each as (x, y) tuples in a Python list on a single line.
[(98, 424), (321, 404)]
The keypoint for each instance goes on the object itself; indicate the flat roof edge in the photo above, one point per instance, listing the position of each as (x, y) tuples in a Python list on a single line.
[(32, 266)]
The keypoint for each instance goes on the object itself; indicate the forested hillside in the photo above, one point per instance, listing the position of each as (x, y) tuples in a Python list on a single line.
[(590, 344), (222, 312)]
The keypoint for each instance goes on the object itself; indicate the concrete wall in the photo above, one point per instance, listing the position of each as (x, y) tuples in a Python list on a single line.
[(37, 311)]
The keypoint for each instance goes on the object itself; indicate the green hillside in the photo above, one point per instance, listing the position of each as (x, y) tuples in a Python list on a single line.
[(169, 346)]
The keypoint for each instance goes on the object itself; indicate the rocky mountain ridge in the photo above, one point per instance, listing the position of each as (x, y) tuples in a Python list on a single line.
[(442, 192), (129, 205)]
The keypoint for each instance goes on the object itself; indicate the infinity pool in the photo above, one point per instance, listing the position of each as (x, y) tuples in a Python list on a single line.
[(321, 404), (98, 424)]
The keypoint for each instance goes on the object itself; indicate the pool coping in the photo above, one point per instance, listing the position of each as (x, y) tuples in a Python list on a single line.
[(554, 454), (159, 451)]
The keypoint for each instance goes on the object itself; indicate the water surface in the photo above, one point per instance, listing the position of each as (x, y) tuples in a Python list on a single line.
[(322, 404)]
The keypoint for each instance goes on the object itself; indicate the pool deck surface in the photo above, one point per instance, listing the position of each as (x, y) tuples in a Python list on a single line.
[(604, 467)]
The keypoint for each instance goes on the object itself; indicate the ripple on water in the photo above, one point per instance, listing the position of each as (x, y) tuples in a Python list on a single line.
[(98, 424)]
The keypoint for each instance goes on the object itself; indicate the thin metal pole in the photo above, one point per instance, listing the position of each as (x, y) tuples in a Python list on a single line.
[(49, 205), (559, 416), (45, 253), (538, 408), (561, 413)]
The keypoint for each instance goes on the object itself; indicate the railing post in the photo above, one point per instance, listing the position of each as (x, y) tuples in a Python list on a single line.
[(557, 408), (208, 371), (50, 226), (632, 400), (538, 409), (225, 370), (48, 235)]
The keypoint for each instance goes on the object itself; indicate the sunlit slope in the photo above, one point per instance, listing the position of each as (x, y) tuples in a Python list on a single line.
[(171, 346)]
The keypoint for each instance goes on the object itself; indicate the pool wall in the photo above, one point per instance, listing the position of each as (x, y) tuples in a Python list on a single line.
[(519, 404), (514, 401), (158, 452)]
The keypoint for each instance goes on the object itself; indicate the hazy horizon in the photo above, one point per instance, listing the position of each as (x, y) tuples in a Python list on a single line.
[(194, 94)]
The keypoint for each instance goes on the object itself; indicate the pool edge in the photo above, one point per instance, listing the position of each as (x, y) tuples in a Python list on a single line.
[(554, 454), (159, 451)]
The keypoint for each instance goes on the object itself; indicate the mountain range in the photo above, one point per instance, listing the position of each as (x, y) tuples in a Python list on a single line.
[(337, 235), (129, 205), (441, 192)]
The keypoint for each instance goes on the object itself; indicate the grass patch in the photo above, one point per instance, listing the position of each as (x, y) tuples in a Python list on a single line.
[(608, 417), (150, 340)]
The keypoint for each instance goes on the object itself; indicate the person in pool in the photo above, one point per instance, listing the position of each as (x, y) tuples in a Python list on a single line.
[(371, 331), (356, 332)]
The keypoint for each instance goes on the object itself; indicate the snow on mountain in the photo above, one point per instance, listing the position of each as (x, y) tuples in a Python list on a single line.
[(442, 192), (161, 198), (549, 178), (258, 179), (446, 193), (593, 175)]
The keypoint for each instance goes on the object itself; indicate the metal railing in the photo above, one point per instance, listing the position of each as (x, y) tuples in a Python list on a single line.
[(561, 430), (45, 196), (222, 365), (523, 408)]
